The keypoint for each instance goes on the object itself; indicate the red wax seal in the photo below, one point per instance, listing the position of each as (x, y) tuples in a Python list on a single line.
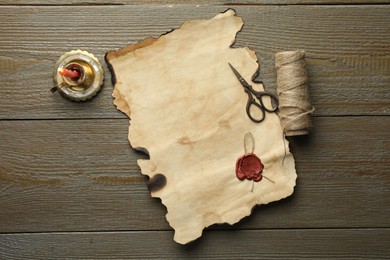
[(249, 167)]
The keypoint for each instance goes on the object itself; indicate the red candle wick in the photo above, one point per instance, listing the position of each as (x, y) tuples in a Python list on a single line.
[(73, 74)]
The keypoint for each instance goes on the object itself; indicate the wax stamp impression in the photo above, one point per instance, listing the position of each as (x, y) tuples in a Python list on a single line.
[(186, 110), (249, 167)]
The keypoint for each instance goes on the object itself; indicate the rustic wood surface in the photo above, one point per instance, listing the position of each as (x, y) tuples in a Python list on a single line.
[(247, 244), (347, 51), (188, 2), (69, 183)]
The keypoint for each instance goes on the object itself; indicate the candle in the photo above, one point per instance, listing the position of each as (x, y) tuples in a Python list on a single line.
[(73, 74), (78, 75)]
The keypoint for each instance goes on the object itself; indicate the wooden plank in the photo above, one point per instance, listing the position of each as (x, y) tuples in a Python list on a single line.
[(189, 2), (240, 244), (347, 51), (81, 175)]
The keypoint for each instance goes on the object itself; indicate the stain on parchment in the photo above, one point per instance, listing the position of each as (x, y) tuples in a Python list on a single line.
[(185, 140)]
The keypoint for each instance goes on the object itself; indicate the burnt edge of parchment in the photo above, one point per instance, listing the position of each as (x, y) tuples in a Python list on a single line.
[(123, 51), (157, 182)]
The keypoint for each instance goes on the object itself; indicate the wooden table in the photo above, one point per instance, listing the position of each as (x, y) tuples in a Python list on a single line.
[(69, 183)]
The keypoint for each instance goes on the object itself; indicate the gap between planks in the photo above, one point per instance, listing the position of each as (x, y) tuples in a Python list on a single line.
[(209, 229)]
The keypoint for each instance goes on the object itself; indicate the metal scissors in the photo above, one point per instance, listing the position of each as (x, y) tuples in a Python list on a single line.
[(259, 95)]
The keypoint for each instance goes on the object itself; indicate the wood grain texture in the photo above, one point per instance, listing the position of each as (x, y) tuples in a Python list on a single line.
[(188, 2), (347, 51), (56, 176), (81, 175), (239, 244)]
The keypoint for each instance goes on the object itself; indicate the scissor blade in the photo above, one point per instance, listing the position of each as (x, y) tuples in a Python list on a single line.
[(239, 77)]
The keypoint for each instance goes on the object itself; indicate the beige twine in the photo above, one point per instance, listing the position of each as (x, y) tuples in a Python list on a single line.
[(294, 103)]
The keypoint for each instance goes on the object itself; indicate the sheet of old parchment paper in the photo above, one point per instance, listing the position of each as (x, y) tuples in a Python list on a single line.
[(187, 110)]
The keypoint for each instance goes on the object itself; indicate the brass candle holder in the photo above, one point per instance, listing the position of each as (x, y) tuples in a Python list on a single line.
[(86, 75)]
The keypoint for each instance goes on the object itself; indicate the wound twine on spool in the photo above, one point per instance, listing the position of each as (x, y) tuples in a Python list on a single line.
[(294, 103)]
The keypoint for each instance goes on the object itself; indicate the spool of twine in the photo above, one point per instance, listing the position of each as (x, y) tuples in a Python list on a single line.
[(294, 103)]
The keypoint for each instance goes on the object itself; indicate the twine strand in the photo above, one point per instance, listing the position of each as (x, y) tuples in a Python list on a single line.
[(292, 89)]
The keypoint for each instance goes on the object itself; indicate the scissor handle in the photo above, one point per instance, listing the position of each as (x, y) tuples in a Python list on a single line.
[(252, 101), (274, 101)]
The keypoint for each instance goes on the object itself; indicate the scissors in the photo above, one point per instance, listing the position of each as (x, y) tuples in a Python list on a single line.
[(259, 95)]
